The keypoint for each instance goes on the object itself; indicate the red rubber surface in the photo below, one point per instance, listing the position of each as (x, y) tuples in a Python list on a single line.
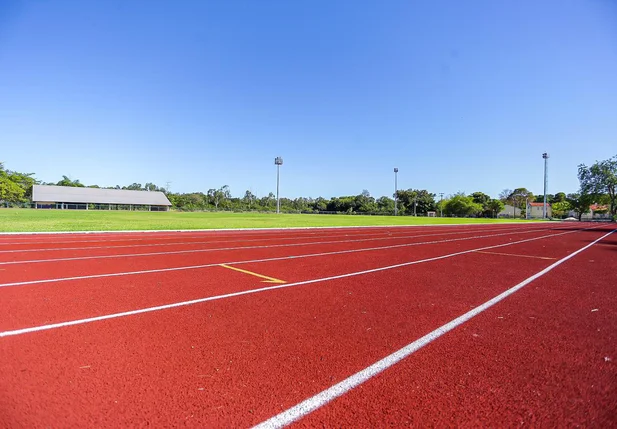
[(239, 361)]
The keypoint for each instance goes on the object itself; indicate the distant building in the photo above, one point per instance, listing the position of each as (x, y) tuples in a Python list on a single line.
[(77, 198), (597, 211), (510, 211), (536, 210)]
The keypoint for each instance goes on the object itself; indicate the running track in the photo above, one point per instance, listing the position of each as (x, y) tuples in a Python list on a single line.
[(483, 325)]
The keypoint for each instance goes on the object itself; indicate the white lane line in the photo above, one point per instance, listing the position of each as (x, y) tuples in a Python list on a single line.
[(124, 246), (264, 246), (264, 289), (266, 229), (380, 237), (279, 258), (175, 236), (313, 403)]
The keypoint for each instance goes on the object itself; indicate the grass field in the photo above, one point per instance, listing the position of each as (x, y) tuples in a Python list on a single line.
[(27, 220)]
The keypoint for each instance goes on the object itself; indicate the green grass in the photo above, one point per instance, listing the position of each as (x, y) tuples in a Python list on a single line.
[(29, 220)]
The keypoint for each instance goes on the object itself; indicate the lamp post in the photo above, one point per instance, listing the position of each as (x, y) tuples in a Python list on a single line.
[(278, 161), (441, 204), (545, 157), (395, 191)]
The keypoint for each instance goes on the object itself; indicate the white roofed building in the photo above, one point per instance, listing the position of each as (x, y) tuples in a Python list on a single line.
[(78, 198)]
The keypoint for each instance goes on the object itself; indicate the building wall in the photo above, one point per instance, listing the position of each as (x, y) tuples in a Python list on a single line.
[(537, 212), (509, 211), (87, 206)]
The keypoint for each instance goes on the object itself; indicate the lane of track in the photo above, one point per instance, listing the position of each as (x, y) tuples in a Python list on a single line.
[(9, 256), (28, 252), (166, 235), (94, 237), (12, 273), (87, 239), (545, 357), (531, 246), (236, 362), (45, 303), (137, 240)]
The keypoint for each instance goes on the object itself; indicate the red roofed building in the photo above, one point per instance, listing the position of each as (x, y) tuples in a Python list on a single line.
[(597, 208), (596, 211), (536, 210)]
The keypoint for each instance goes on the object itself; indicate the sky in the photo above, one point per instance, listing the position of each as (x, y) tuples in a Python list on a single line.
[(461, 96)]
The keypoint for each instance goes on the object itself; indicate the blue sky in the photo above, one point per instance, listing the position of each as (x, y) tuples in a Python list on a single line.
[(459, 95)]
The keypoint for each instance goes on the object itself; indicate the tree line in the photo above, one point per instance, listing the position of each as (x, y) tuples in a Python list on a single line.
[(598, 185)]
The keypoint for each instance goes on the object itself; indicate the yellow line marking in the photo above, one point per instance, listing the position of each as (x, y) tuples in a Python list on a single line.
[(267, 279), (513, 254)]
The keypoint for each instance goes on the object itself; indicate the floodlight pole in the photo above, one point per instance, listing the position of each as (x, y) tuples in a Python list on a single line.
[(395, 191), (441, 204), (415, 204), (545, 156), (278, 161)]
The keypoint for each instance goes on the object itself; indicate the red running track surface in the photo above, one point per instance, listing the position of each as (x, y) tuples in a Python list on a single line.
[(543, 356)]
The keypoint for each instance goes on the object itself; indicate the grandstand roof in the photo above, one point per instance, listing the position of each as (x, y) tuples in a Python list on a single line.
[(68, 194)]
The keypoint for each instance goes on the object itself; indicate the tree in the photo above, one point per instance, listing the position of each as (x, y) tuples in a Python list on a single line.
[(301, 204), (15, 187), (249, 198), (364, 203), (480, 198), (385, 204), (212, 197), (484, 200), (519, 196), (225, 193), (580, 203), (10, 191), (68, 182), (600, 178), (320, 204), (134, 187), (461, 205), (505, 194), (218, 196), (561, 208), (559, 197), (268, 202), (494, 207), (346, 204), (422, 200)]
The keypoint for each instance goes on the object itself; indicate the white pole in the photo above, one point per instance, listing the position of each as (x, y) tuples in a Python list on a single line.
[(395, 192), (278, 201), (545, 156)]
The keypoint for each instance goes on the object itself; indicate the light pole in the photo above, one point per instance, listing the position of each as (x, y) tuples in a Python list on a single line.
[(415, 204), (395, 191), (545, 156), (441, 204), (278, 161)]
